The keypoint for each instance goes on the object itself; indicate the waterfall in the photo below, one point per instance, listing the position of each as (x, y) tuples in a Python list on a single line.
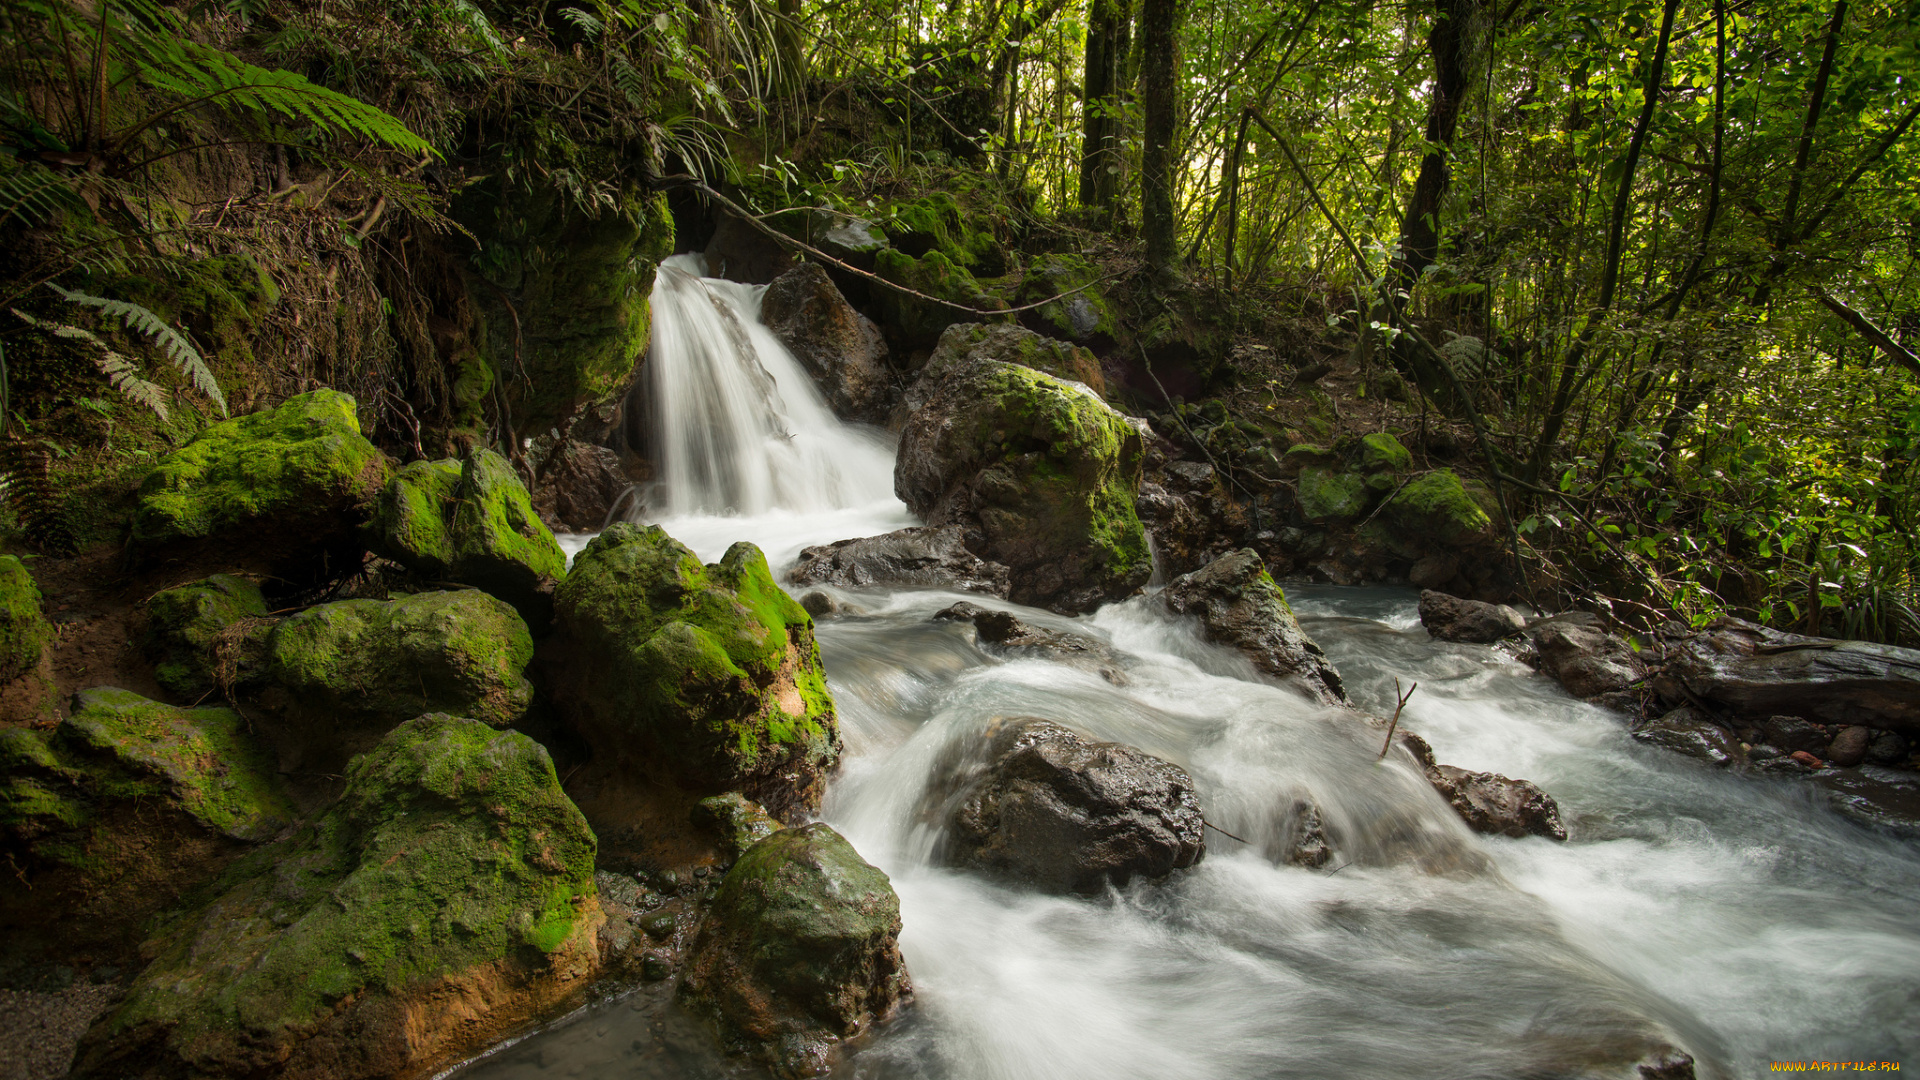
[(744, 444)]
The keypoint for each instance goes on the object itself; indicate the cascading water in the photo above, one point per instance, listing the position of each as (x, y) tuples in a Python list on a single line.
[(1731, 915), (745, 443)]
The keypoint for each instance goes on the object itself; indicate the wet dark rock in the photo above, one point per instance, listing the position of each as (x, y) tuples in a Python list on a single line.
[(1849, 748), (736, 821), (1303, 837), (579, 486), (1877, 796), (1240, 605), (1065, 814), (1039, 469), (1008, 633), (1451, 618), (1667, 1063), (1754, 671), (1791, 733), (1578, 651), (922, 557), (1687, 731), (800, 949), (1888, 748), (820, 605), (1489, 802), (842, 349)]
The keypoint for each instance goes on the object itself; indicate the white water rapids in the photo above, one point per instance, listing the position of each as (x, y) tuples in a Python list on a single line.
[(1737, 917)]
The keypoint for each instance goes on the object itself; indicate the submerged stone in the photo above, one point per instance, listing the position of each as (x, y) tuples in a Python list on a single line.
[(921, 557), (273, 488), (335, 678), (706, 676), (799, 950), (445, 901), (185, 624), (470, 521), (1240, 605), (1065, 814)]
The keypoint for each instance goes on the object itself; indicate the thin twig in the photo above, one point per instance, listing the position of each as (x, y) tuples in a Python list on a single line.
[(1395, 723), (1224, 832)]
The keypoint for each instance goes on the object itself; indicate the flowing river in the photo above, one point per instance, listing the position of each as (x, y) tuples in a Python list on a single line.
[(1736, 917)]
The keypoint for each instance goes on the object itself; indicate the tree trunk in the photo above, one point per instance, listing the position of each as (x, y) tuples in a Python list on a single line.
[(1160, 111), (1100, 147), (1451, 41)]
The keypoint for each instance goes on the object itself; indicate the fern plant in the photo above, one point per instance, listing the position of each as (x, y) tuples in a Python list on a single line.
[(123, 373)]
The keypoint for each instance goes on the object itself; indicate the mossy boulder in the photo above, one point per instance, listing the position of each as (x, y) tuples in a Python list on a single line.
[(1045, 471), (1330, 495), (1435, 510), (445, 901), (118, 811), (24, 631), (964, 344), (1085, 316), (917, 323), (271, 490), (1381, 452), (706, 677), (937, 223), (799, 950), (563, 293), (734, 821), (470, 522), (184, 626), (333, 679)]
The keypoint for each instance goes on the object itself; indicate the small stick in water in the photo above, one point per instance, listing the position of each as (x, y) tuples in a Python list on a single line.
[(1224, 832), (1395, 723)]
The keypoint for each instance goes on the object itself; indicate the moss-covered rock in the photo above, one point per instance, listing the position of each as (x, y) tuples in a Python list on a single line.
[(938, 223), (1435, 510), (470, 522), (917, 323), (333, 679), (1329, 495), (1045, 470), (24, 631), (184, 627), (964, 344), (270, 489), (735, 821), (121, 809), (799, 950), (707, 676), (1380, 451), (444, 901), (1086, 316), (564, 294)]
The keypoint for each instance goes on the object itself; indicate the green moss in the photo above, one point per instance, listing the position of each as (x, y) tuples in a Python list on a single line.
[(381, 662), (24, 631), (303, 457), (471, 522), (1436, 509), (118, 748), (1381, 450), (1329, 495), (918, 321), (565, 298), (938, 221), (452, 848), (1086, 315), (184, 623), (715, 665)]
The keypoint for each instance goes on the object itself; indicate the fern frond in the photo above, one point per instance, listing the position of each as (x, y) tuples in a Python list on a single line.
[(171, 342), (203, 76), (35, 197), (126, 377), (583, 21), (123, 374), (466, 14)]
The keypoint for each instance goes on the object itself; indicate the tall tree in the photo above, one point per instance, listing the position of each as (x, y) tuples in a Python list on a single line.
[(1452, 42), (1160, 113), (1109, 28)]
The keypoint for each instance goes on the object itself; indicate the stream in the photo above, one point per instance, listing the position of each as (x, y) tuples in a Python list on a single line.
[(1734, 916)]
